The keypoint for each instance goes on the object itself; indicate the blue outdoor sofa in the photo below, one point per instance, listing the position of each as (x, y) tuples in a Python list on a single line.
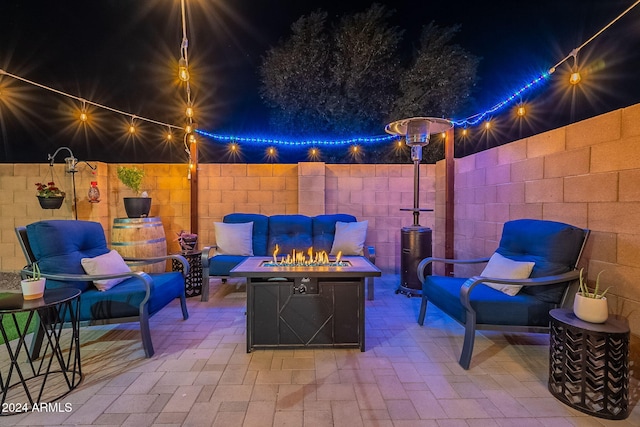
[(289, 232)]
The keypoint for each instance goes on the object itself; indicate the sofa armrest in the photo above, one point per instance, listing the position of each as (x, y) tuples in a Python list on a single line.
[(144, 261), (370, 253), (467, 287), (425, 262), (140, 275)]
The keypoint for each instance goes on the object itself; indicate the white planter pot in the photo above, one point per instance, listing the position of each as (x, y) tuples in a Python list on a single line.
[(32, 289), (594, 310)]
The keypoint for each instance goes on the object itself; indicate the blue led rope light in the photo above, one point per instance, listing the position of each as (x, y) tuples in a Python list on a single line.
[(312, 142), (477, 118)]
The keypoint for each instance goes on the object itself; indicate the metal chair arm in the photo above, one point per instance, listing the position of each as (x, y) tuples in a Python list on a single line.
[(425, 262), (472, 282)]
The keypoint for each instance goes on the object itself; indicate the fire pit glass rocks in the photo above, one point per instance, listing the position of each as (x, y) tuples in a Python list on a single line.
[(310, 259)]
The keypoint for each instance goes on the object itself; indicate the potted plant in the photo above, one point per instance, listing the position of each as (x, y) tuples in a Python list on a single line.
[(187, 241), (591, 306), (49, 195), (139, 206), (33, 287)]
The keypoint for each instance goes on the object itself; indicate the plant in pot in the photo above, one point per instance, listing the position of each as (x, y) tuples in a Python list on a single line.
[(49, 195), (591, 306), (33, 287), (187, 241), (139, 206)]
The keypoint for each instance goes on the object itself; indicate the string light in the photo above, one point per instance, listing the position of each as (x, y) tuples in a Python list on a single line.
[(183, 75)]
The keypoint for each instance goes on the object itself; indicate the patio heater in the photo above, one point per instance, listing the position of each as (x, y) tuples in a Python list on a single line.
[(415, 240)]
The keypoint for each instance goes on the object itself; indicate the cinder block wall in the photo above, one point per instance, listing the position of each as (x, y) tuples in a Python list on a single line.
[(586, 174)]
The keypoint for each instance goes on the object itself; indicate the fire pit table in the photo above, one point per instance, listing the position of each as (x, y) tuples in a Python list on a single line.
[(296, 306)]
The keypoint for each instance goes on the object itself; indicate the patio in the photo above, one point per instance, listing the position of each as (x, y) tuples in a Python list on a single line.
[(409, 375)]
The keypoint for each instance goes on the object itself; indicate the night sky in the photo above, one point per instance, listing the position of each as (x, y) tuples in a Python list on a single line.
[(119, 53)]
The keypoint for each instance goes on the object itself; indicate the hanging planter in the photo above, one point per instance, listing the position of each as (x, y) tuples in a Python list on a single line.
[(50, 202), (49, 195)]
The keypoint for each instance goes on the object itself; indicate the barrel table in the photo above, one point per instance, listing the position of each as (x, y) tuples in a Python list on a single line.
[(140, 238)]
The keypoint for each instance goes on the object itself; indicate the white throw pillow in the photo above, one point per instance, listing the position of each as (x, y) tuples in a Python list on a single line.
[(349, 238), (500, 267), (109, 263), (234, 239)]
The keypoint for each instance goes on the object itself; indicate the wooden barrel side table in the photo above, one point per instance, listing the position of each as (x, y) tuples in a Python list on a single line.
[(589, 364)]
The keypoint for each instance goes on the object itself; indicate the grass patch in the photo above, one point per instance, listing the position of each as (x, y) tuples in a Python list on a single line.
[(10, 328)]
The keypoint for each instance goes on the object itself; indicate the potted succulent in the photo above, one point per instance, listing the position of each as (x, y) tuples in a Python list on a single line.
[(591, 306), (139, 206), (49, 195), (33, 287)]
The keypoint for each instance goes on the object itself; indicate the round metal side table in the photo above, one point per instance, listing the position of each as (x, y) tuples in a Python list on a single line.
[(47, 367), (589, 364)]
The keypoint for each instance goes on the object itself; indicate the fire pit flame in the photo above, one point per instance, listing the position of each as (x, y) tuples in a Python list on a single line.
[(299, 259)]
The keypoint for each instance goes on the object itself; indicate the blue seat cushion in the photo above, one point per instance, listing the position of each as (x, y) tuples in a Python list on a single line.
[(220, 265), (492, 307), (59, 245), (260, 229), (123, 300), (289, 232), (554, 247), (324, 230)]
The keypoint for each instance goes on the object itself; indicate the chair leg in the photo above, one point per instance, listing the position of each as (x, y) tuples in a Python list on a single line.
[(423, 309), (146, 334), (370, 288), (36, 341), (183, 305), (205, 284), (469, 339)]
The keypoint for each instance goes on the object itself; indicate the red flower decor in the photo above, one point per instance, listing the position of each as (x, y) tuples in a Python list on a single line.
[(49, 190)]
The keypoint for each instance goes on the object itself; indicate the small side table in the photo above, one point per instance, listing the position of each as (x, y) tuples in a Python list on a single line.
[(589, 364), (193, 281), (30, 379)]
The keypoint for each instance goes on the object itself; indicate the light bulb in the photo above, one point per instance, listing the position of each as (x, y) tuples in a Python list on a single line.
[(169, 136), (189, 111), (521, 111), (465, 132), (188, 128), (192, 139), (487, 125), (183, 72), (83, 117), (132, 129), (575, 78)]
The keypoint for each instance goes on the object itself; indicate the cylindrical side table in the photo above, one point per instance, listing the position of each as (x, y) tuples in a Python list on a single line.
[(193, 281), (589, 364)]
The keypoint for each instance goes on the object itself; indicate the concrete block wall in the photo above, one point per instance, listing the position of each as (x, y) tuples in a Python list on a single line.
[(586, 174)]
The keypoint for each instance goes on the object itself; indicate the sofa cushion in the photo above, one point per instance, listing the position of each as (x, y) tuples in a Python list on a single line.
[(124, 300), (260, 229), (324, 229), (492, 306), (349, 238), (234, 239), (109, 263), (221, 265), (60, 245), (554, 247), (290, 232), (500, 267)]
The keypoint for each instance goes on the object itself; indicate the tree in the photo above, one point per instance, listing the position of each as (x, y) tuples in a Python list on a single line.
[(351, 78), (439, 80)]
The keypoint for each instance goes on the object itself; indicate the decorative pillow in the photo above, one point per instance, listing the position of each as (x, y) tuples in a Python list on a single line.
[(349, 238), (234, 239), (109, 263), (501, 267)]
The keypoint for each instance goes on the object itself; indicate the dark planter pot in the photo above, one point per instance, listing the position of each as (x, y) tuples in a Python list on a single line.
[(137, 207), (50, 202)]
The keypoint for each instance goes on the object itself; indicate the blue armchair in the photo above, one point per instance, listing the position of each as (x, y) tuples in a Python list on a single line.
[(554, 247), (58, 247)]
